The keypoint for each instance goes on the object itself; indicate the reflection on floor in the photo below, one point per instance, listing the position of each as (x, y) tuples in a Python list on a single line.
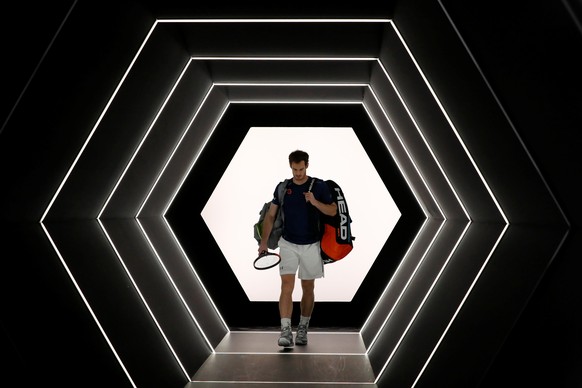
[(253, 358)]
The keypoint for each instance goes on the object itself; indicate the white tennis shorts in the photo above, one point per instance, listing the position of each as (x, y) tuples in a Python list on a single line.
[(306, 258)]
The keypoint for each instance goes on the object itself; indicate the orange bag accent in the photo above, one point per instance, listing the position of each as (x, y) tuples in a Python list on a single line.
[(330, 247)]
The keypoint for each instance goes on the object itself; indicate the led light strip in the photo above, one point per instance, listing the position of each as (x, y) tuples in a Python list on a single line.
[(255, 58), (394, 276), (174, 151), (196, 274), (501, 107), (403, 291), (86, 302), (206, 140), (176, 287), (144, 138), (445, 114), (409, 157), (421, 305), (98, 122), (491, 252), (294, 84), (135, 286), (378, 20), (460, 306), (266, 84), (296, 102), (424, 140)]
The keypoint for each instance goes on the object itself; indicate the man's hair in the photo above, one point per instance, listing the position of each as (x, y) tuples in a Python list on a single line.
[(298, 156)]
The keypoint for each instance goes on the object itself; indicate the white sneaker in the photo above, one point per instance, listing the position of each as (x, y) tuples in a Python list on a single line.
[(301, 337), (286, 339)]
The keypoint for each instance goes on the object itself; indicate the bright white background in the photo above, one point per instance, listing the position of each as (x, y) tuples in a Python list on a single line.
[(250, 179)]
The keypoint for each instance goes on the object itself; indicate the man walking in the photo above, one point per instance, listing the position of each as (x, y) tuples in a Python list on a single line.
[(299, 245)]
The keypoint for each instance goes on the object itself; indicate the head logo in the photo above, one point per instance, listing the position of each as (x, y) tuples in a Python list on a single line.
[(342, 209)]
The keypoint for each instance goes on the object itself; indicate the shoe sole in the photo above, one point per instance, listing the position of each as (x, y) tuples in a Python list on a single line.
[(300, 343)]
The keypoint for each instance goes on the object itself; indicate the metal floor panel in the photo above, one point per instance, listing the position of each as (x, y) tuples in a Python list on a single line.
[(254, 358)]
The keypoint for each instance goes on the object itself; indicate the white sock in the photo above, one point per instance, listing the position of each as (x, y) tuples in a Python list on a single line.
[(304, 320), (285, 322)]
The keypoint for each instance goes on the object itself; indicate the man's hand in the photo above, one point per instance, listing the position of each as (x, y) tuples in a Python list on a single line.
[(262, 247), (309, 197)]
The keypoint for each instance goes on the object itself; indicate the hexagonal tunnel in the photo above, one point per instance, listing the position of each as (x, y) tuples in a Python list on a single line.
[(140, 198), (184, 215)]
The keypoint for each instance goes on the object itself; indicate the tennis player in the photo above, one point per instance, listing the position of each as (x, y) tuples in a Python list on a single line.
[(299, 245)]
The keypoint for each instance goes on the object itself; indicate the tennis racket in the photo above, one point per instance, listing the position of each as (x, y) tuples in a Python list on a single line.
[(267, 260)]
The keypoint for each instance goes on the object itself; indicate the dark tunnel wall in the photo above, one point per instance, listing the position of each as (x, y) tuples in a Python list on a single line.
[(503, 44), (60, 107), (529, 58), (126, 121), (454, 169), (477, 116)]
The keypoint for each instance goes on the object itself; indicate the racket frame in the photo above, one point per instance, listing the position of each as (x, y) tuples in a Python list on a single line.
[(263, 254)]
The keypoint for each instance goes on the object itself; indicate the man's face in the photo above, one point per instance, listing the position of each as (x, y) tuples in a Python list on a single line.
[(299, 171)]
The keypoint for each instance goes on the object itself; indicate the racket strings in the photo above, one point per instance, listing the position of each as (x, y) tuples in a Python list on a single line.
[(266, 261)]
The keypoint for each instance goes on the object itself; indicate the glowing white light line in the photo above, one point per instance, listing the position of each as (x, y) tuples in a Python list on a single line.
[(334, 102), (460, 306), (504, 112), (224, 20), (145, 137), (196, 274), (240, 102), (403, 291), (98, 122), (145, 303), (396, 274), (161, 173), (343, 333), (250, 102), (445, 114), (175, 286), (198, 152), (93, 315), (455, 194), (407, 152), (292, 84), (266, 58), (290, 383), (421, 305), (397, 161), (297, 354)]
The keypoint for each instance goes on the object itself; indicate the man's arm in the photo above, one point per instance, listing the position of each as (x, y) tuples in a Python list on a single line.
[(327, 209), (268, 222)]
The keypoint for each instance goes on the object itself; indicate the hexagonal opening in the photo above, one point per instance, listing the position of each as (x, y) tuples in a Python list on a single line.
[(259, 163)]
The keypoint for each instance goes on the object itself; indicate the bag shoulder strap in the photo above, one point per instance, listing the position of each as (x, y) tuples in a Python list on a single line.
[(313, 179), (281, 188)]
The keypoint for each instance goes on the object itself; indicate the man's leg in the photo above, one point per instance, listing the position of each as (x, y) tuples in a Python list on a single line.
[(286, 297), (307, 304), (286, 309), (308, 297)]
